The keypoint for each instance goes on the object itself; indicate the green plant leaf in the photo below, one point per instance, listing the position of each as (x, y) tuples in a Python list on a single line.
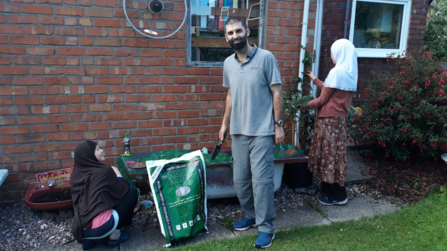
[(443, 189)]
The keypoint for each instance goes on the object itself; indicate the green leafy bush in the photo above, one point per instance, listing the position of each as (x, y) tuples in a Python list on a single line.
[(405, 115), (436, 30)]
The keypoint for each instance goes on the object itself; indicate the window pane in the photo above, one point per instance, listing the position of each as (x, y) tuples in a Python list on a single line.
[(378, 25), (208, 19)]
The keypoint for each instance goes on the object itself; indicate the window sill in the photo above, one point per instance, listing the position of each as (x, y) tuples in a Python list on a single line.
[(205, 64), (377, 53)]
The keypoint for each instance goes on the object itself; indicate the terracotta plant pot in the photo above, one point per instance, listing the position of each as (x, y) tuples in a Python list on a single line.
[(35, 190)]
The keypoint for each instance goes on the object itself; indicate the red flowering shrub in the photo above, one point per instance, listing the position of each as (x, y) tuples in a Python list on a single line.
[(405, 114)]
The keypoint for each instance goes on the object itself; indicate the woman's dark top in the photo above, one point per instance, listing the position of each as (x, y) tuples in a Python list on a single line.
[(94, 187)]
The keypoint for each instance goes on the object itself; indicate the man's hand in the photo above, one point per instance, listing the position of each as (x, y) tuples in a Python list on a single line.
[(226, 118), (279, 135), (223, 130), (116, 170), (278, 104)]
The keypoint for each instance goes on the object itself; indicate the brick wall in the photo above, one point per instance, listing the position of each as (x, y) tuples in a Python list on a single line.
[(71, 70), (333, 26)]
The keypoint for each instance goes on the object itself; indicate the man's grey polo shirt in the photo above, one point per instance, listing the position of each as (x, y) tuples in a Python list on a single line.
[(251, 97)]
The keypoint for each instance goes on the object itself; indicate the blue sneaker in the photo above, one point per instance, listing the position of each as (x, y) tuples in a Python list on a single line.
[(124, 236), (244, 224), (264, 240), (325, 201), (87, 244)]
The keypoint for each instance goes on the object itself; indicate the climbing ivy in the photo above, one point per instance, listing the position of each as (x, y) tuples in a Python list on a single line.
[(295, 98)]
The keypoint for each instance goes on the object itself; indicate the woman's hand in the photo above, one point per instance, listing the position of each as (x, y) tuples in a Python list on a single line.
[(311, 75)]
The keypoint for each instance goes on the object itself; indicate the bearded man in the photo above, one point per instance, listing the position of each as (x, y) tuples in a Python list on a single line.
[(252, 116)]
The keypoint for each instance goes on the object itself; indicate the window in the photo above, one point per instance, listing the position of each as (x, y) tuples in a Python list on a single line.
[(380, 27), (206, 44)]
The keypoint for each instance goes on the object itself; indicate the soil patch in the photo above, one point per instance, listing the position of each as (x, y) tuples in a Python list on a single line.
[(53, 197), (408, 182)]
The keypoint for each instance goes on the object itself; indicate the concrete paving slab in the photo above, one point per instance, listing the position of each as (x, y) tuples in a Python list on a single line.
[(292, 218), (358, 208), (383, 206), (357, 171), (143, 240), (215, 232), (150, 239), (101, 245), (153, 239), (353, 210)]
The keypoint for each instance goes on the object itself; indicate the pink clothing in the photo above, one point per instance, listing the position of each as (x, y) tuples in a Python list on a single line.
[(101, 218), (332, 102)]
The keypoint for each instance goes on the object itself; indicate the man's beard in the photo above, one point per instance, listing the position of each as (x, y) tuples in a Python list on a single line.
[(239, 46)]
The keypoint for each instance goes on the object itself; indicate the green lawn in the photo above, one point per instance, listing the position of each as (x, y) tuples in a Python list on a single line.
[(419, 227)]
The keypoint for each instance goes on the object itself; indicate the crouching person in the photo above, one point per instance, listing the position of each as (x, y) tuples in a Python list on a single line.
[(103, 201)]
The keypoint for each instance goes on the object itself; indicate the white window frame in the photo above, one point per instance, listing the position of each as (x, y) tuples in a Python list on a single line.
[(383, 53)]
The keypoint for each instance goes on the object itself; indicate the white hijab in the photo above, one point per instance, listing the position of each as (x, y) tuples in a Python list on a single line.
[(344, 75)]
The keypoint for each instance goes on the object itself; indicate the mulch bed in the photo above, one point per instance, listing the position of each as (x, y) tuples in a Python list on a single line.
[(407, 181)]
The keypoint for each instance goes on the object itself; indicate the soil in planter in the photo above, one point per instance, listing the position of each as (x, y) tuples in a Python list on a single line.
[(53, 197)]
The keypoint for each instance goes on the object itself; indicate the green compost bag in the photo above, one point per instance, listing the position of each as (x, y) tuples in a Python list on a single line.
[(179, 189)]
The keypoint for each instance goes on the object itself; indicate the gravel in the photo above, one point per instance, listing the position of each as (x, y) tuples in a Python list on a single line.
[(22, 227)]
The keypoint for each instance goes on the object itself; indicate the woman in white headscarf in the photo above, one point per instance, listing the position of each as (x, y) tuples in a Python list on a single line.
[(327, 155)]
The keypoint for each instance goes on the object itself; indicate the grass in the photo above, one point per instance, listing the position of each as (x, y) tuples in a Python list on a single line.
[(419, 227)]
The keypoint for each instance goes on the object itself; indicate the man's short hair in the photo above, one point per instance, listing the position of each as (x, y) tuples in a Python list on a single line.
[(243, 21)]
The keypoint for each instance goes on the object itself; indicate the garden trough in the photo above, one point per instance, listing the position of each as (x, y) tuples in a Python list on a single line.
[(219, 176), (38, 189)]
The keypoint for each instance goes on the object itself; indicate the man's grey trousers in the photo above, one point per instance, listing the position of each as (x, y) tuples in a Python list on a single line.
[(253, 171)]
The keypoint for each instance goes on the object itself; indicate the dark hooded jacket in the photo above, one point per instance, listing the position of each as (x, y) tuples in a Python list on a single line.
[(94, 187)]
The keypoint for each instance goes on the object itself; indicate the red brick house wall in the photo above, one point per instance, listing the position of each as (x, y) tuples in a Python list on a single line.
[(333, 25), (70, 70)]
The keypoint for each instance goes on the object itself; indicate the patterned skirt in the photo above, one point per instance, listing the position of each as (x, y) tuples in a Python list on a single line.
[(327, 154)]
